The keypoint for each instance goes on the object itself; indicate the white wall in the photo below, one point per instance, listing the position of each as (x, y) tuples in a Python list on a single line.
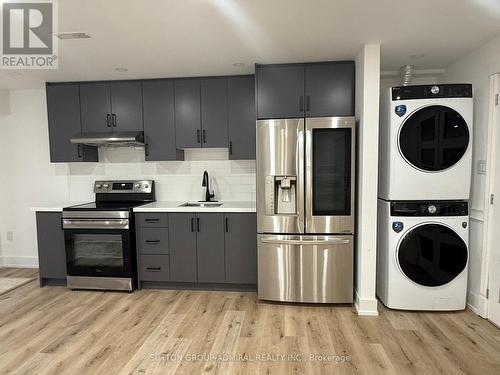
[(476, 69), (31, 180), (367, 116)]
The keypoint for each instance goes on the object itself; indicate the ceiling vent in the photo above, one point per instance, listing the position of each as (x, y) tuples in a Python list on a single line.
[(73, 35)]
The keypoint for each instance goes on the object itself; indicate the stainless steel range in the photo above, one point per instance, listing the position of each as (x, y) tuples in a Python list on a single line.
[(100, 236), (305, 209)]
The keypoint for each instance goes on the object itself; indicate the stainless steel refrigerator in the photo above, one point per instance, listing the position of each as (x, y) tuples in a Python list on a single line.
[(305, 209)]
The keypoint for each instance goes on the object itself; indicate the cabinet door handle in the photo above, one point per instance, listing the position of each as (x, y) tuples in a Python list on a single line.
[(230, 147), (152, 241), (114, 119), (308, 103), (227, 226), (108, 120), (151, 220), (146, 149), (79, 151), (192, 224), (198, 140), (301, 103), (204, 136), (153, 268), (198, 223)]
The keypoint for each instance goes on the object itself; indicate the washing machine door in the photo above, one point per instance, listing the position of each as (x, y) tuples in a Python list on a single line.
[(434, 138), (432, 255)]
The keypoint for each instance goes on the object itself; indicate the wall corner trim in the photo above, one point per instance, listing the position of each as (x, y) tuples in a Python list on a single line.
[(365, 306)]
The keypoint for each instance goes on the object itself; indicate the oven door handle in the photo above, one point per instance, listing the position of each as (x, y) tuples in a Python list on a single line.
[(95, 224)]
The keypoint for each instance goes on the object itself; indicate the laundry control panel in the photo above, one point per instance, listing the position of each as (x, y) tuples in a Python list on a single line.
[(438, 208), (459, 90)]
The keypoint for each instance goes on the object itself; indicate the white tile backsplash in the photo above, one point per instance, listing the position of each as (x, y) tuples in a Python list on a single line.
[(175, 180)]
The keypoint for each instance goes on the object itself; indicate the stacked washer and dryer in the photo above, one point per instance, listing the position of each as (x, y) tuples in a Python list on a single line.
[(424, 183)]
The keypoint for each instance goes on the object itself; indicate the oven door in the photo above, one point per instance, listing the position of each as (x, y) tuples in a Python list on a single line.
[(330, 175), (98, 248)]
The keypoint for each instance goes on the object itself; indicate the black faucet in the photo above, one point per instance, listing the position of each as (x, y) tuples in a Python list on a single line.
[(205, 183)]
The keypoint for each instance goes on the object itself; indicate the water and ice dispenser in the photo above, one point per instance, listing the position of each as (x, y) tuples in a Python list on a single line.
[(281, 195)]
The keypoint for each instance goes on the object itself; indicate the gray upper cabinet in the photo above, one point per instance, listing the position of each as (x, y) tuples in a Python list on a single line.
[(330, 89), (280, 91), (159, 120), (214, 112), (241, 117), (241, 248), (126, 106), (210, 247), (113, 106), (51, 250), (182, 247), (311, 90), (63, 110), (187, 113), (95, 104)]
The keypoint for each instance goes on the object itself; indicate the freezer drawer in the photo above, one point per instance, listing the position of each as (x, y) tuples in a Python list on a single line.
[(300, 268)]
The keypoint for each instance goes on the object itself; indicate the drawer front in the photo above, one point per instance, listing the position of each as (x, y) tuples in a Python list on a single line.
[(152, 240), (308, 269), (152, 220), (154, 268)]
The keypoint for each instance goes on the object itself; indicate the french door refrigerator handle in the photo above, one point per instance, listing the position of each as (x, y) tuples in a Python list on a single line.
[(300, 186), (305, 241)]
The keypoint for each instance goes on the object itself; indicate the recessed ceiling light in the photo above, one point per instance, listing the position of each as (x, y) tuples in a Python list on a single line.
[(417, 56), (73, 35), (238, 64), (121, 70)]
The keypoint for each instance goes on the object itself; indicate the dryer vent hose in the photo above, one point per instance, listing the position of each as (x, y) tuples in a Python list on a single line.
[(407, 74)]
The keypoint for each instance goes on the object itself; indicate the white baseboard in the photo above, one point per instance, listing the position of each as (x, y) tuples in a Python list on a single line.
[(20, 262), (365, 306), (478, 304)]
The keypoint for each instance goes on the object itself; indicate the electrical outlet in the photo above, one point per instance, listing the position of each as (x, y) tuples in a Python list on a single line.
[(481, 167), (10, 235)]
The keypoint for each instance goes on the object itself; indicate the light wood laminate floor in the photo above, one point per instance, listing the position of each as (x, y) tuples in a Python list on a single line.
[(53, 330)]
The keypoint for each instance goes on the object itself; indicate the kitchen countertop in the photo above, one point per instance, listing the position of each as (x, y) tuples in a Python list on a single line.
[(173, 206), (54, 207)]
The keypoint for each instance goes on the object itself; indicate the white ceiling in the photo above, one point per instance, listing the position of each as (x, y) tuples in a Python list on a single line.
[(172, 38)]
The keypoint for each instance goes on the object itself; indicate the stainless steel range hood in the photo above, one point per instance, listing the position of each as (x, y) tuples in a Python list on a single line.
[(110, 139)]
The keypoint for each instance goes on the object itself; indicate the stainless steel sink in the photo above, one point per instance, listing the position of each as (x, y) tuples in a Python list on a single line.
[(201, 204)]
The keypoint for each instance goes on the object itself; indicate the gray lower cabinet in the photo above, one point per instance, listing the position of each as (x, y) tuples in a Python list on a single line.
[(210, 247), (205, 248), (241, 117), (154, 268), (241, 248), (51, 251), (63, 111), (159, 120), (182, 241)]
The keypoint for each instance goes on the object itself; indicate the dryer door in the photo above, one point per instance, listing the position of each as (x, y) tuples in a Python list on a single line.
[(434, 138), (432, 255)]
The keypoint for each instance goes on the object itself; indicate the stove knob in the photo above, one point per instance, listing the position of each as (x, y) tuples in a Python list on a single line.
[(432, 209), (137, 186), (435, 90), (98, 186), (105, 186), (145, 186)]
